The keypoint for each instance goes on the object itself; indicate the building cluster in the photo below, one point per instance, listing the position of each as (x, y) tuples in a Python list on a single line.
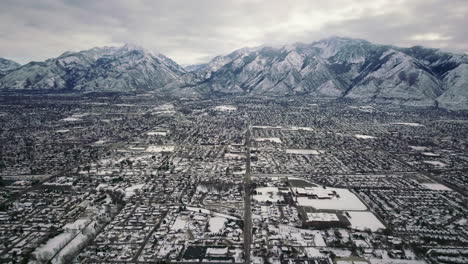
[(144, 179)]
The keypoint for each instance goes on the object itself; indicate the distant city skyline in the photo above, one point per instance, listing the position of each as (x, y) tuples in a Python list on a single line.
[(192, 32)]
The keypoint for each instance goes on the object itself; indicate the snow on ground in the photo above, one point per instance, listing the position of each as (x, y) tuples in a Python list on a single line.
[(346, 200), (436, 187), (272, 139), (216, 224), (313, 252), (164, 109), (408, 124), (363, 220), (179, 224), (130, 191), (234, 156), (53, 245), (294, 128), (435, 163), (160, 149), (265, 194), (430, 154), (297, 236), (318, 240), (418, 148), (78, 224), (304, 151), (75, 244), (62, 130), (225, 108), (157, 133), (363, 136), (396, 261), (100, 142), (71, 119)]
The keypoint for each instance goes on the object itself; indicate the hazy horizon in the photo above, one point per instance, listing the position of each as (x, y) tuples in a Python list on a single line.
[(192, 33)]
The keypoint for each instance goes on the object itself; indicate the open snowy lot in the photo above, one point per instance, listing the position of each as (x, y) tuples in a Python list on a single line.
[(157, 133), (225, 108), (435, 163), (343, 200), (364, 220), (408, 124), (436, 187), (216, 224), (363, 136), (303, 151), (157, 149)]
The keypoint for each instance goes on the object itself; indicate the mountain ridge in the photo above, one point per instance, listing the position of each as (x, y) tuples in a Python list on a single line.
[(335, 67)]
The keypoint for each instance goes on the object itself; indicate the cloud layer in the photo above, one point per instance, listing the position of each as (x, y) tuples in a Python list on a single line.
[(194, 31)]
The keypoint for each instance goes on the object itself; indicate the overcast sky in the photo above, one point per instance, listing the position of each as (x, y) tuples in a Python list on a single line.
[(194, 31)]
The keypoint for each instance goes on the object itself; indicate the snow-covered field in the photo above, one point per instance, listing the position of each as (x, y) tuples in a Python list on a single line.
[(71, 119), (156, 133), (179, 224), (216, 224), (435, 163), (408, 124), (75, 244), (363, 220), (225, 108), (418, 148), (430, 154), (363, 136), (344, 200), (303, 151), (436, 186), (78, 224), (234, 156), (158, 149), (130, 191), (273, 139)]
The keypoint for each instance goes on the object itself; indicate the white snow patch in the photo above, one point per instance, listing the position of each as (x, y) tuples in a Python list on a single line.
[(363, 136), (304, 151), (363, 220), (436, 187), (131, 191), (225, 108), (435, 163), (343, 200), (408, 124), (216, 224), (157, 133), (158, 149)]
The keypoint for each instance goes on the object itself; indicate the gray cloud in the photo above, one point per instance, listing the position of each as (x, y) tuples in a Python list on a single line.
[(192, 31)]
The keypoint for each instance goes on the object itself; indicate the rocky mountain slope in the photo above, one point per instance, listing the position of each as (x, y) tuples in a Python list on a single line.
[(337, 67), (7, 66), (332, 68), (127, 68)]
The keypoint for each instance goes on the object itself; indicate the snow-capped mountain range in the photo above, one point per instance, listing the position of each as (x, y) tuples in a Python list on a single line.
[(7, 66), (333, 68), (127, 68)]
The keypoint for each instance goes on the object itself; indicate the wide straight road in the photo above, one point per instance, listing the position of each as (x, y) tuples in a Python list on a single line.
[(247, 209)]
